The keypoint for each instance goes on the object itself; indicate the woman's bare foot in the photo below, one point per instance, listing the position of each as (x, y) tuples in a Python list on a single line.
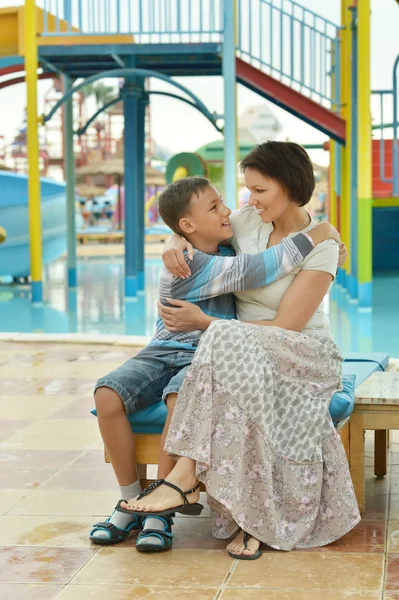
[(164, 497), (238, 548)]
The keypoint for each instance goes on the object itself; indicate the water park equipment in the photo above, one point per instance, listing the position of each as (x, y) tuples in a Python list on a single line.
[(14, 251), (309, 67)]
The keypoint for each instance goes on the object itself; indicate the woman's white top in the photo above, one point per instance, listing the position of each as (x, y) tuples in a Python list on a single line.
[(251, 236)]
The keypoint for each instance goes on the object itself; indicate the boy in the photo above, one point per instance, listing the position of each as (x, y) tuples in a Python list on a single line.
[(191, 207)]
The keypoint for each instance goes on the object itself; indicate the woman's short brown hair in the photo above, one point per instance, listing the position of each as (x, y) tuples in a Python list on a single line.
[(288, 164)]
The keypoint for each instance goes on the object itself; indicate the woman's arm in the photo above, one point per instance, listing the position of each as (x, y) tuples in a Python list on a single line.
[(301, 301)]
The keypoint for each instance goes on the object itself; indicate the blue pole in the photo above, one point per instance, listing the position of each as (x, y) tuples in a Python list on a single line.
[(68, 13), (130, 108), (230, 105), (142, 104), (69, 157), (353, 277), (395, 150)]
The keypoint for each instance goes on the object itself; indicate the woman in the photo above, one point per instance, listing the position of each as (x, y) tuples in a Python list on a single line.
[(252, 419)]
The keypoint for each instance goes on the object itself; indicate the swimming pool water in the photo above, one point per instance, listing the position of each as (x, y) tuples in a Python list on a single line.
[(98, 306)]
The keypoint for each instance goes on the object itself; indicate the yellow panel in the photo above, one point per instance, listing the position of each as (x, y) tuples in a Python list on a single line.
[(51, 26), (8, 31), (87, 40), (384, 202)]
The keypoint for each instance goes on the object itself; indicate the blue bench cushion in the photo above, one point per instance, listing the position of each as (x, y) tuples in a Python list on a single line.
[(356, 368)]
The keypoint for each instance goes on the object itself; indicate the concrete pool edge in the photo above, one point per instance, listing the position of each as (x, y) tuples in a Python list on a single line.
[(76, 338)]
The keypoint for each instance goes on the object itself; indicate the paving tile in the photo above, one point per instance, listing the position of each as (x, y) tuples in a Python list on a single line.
[(207, 568), (10, 498), (85, 479), (392, 573), (28, 591), (265, 594), (63, 386), (306, 571), (393, 536), (56, 434), (49, 502), (394, 458), (32, 407), (73, 369), (41, 565), (31, 459), (9, 427), (51, 531), (92, 459), (130, 592), (78, 409), (17, 478), (367, 536), (14, 385)]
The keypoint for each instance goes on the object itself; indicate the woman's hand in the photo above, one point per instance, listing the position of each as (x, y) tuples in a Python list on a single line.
[(185, 317), (173, 257)]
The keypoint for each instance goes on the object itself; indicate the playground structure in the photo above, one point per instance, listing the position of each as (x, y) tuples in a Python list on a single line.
[(305, 64)]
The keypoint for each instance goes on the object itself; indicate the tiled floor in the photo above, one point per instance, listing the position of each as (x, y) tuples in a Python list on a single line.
[(54, 485)]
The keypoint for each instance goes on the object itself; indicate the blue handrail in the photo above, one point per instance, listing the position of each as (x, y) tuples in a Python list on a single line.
[(394, 98), (302, 48)]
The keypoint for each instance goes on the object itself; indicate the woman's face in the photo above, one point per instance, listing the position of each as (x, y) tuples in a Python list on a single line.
[(266, 195)]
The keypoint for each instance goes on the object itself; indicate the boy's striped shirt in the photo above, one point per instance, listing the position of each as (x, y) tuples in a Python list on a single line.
[(214, 278)]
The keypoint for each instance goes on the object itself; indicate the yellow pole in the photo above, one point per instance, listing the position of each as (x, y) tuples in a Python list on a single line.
[(35, 224), (365, 235), (332, 190), (333, 151), (346, 92)]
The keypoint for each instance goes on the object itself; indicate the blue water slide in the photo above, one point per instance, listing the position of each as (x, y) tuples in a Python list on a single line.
[(14, 252)]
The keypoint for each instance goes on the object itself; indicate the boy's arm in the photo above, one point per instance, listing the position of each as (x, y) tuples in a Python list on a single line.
[(218, 275)]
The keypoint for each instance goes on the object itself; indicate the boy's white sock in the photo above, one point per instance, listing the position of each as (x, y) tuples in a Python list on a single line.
[(120, 519), (130, 491)]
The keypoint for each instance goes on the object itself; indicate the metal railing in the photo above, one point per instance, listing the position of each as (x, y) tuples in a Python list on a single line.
[(293, 44), (150, 21), (280, 37)]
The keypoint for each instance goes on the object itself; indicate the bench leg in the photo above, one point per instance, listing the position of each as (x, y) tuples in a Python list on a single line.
[(356, 450), (380, 452)]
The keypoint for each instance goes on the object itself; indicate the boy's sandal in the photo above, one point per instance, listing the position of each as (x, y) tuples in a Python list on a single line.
[(164, 535), (116, 535), (255, 556), (186, 508)]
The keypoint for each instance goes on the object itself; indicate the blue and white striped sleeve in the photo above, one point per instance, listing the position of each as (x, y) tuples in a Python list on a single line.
[(216, 275)]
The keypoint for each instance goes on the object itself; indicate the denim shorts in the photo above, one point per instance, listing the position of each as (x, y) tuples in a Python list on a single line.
[(148, 377)]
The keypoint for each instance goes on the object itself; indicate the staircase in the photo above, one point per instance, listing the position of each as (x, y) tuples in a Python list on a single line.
[(285, 52)]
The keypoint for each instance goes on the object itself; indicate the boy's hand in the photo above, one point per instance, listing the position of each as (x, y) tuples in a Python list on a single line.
[(343, 254), (173, 257), (324, 231), (185, 317)]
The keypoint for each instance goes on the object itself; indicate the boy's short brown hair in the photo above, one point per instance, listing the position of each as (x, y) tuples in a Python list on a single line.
[(174, 202), (288, 164)]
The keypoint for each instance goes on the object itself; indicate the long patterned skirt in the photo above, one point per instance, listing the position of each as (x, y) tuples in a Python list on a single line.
[(253, 412)]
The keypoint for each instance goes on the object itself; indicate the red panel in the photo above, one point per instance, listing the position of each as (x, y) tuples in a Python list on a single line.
[(10, 82), (12, 69), (296, 103), (380, 188)]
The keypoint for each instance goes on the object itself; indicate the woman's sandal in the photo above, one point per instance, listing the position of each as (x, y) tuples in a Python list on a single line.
[(116, 535), (255, 556), (165, 536), (186, 508)]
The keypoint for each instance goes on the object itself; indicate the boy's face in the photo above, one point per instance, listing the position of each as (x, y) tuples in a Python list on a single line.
[(209, 218)]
